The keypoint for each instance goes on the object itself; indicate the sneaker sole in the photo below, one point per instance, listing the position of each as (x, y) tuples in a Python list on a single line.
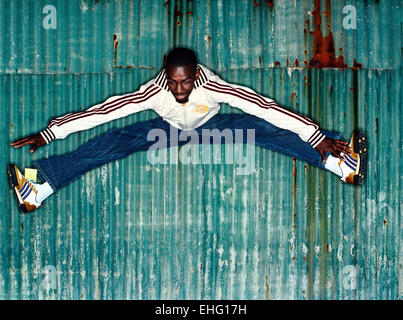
[(361, 148), (12, 178)]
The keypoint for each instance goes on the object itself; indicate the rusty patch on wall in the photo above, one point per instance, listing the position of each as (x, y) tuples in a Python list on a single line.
[(324, 54)]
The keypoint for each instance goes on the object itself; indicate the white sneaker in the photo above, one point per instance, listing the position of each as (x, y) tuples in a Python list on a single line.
[(25, 190), (354, 165)]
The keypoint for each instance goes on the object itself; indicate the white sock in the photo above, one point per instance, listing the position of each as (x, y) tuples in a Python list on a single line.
[(332, 164), (44, 191)]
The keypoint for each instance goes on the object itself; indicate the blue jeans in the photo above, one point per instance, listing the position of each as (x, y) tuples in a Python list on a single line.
[(115, 144)]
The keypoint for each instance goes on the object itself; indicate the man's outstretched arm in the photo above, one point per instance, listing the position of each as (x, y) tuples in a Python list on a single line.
[(253, 103), (113, 108)]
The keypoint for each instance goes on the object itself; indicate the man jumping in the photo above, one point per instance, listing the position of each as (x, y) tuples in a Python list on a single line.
[(186, 96)]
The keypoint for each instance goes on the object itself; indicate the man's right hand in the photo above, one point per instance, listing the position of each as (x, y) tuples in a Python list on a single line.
[(35, 141)]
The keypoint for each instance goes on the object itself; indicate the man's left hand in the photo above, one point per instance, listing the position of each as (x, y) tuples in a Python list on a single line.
[(335, 147)]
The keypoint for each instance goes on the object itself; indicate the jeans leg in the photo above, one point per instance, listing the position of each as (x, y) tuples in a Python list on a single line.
[(115, 144), (269, 136)]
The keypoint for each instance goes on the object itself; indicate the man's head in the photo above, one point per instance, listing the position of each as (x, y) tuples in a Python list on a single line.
[(181, 70)]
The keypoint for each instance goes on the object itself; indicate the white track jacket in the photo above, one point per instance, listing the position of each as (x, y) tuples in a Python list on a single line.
[(204, 102)]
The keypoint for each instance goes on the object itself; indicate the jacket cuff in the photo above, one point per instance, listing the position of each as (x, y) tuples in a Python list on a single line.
[(316, 138), (48, 135)]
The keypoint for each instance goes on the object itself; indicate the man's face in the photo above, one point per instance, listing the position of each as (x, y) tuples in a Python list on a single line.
[(180, 81)]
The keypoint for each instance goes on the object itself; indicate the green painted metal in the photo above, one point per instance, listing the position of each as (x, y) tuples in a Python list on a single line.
[(132, 230)]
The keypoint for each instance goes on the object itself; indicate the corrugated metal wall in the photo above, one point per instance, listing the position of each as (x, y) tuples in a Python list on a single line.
[(132, 230)]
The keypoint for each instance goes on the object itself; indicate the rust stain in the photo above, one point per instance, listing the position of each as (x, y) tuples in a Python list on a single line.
[(306, 82), (115, 41), (294, 160), (115, 48), (115, 54), (294, 191), (324, 53), (293, 94), (267, 289), (328, 9), (277, 63), (177, 13), (256, 4), (357, 65), (270, 4), (296, 63)]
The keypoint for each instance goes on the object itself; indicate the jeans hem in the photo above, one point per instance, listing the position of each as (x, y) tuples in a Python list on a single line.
[(44, 176)]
